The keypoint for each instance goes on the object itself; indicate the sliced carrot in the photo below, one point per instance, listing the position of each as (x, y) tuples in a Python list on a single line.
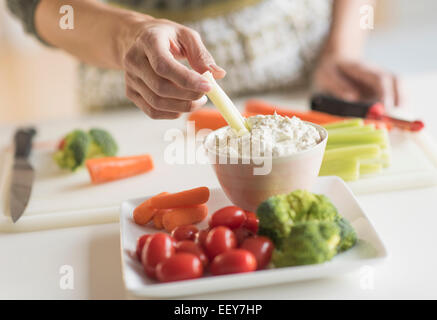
[(181, 199), (184, 216), (144, 212), (114, 168), (207, 119)]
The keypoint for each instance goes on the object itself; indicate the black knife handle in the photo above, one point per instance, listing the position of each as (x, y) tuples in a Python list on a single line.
[(339, 107), (23, 142)]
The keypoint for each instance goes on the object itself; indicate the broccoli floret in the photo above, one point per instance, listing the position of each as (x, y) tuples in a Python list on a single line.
[(308, 206), (348, 236), (308, 243), (278, 213), (102, 144), (274, 218), (74, 151), (306, 228)]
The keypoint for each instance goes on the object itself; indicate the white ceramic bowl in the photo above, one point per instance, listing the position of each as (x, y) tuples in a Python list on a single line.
[(288, 173)]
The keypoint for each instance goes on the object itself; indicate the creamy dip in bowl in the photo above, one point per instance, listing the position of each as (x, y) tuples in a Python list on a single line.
[(279, 155)]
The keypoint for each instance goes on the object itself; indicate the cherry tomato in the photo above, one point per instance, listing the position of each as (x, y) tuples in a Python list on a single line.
[(181, 266), (191, 247), (261, 248), (140, 244), (219, 240), (187, 232), (242, 234), (233, 261), (200, 238), (232, 217), (251, 222), (157, 248)]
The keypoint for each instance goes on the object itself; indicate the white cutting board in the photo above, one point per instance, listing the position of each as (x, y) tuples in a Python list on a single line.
[(413, 165), (61, 199)]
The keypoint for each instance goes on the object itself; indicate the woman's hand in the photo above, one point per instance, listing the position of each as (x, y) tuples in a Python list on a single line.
[(355, 81), (155, 81)]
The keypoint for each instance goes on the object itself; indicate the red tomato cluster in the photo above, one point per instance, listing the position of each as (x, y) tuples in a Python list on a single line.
[(229, 245)]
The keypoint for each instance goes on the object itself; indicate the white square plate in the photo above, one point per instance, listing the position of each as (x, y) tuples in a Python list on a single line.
[(368, 250)]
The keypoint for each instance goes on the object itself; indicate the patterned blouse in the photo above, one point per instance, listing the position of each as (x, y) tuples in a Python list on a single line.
[(262, 44)]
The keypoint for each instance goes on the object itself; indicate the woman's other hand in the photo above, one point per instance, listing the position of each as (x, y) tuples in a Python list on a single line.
[(353, 80), (156, 81)]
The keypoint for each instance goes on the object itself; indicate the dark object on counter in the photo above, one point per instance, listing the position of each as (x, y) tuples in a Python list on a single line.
[(369, 110), (22, 172)]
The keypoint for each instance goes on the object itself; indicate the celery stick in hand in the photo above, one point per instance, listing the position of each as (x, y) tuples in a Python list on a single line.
[(226, 107)]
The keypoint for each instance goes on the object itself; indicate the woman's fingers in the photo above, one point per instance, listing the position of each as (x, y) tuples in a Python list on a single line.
[(165, 65), (159, 102), (329, 80), (158, 83), (163, 87), (381, 84), (136, 98), (397, 91), (197, 54)]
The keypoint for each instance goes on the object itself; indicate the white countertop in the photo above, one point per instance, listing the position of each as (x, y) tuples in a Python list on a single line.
[(30, 262)]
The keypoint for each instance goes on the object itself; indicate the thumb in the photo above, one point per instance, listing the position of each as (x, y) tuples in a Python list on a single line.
[(198, 56)]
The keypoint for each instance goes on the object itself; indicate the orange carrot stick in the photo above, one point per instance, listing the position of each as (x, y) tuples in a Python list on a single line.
[(144, 212), (261, 107), (207, 119), (184, 216), (114, 168), (181, 199)]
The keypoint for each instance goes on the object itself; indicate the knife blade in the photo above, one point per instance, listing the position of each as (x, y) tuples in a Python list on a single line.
[(22, 173)]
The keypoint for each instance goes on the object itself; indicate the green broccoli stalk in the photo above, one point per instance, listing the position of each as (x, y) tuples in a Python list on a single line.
[(102, 144), (308, 243), (348, 236), (73, 151)]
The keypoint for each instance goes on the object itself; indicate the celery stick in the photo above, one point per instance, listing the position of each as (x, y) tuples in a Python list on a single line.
[(355, 122), (332, 146), (362, 129), (385, 157), (377, 136), (370, 168), (226, 107), (365, 151), (347, 169)]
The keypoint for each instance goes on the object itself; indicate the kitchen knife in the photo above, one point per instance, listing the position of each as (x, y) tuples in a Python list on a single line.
[(22, 173), (368, 110)]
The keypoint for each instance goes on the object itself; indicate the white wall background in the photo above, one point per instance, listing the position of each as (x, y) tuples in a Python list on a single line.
[(407, 43)]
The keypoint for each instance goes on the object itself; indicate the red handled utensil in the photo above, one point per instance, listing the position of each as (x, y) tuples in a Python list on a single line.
[(375, 111)]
